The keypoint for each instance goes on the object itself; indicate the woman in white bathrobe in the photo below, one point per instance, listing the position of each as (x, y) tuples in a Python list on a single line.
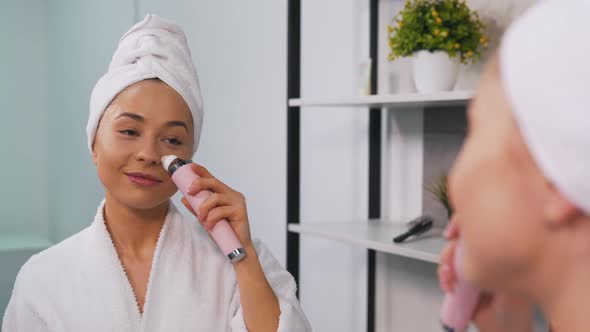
[(142, 265)]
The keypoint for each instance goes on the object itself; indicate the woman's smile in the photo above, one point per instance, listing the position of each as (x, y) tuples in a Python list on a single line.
[(143, 179)]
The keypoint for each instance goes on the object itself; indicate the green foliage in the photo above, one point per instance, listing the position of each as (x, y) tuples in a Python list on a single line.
[(440, 190), (433, 25)]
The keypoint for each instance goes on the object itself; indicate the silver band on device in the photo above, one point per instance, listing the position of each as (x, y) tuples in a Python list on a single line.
[(237, 255), (176, 164)]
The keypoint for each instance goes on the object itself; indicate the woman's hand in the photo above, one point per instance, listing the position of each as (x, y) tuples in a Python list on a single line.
[(494, 312), (259, 303), (224, 203)]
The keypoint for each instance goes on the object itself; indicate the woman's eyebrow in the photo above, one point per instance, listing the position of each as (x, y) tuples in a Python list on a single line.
[(140, 118), (177, 123), (133, 116)]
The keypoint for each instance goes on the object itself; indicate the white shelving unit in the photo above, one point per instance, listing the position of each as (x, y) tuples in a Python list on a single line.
[(378, 235), (418, 100), (373, 234)]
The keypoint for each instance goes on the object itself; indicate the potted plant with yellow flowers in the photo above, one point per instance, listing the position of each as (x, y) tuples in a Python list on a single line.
[(439, 34)]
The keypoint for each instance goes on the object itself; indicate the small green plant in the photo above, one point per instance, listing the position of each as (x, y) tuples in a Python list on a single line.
[(433, 25), (440, 190)]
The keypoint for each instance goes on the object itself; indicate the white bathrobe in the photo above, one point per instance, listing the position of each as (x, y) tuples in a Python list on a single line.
[(80, 285)]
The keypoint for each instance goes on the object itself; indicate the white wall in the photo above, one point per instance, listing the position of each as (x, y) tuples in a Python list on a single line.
[(334, 162), (23, 103), (52, 55), (82, 39), (23, 134)]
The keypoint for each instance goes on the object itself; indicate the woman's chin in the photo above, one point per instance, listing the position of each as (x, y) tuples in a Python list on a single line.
[(143, 201)]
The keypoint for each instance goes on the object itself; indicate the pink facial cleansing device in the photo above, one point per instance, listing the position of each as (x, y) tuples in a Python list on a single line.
[(458, 306), (222, 233)]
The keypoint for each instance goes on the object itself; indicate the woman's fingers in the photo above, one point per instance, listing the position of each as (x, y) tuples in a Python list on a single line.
[(211, 184), (445, 279), (446, 270), (216, 215), (215, 200), (206, 181), (448, 254), (201, 171), (452, 230)]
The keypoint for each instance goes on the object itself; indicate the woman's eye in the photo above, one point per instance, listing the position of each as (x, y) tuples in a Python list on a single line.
[(173, 141), (129, 132)]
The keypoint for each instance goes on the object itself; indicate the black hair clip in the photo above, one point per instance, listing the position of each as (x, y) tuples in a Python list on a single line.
[(419, 225)]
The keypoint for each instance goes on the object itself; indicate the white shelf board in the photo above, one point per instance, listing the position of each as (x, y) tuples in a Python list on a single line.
[(378, 235), (448, 98), (23, 242)]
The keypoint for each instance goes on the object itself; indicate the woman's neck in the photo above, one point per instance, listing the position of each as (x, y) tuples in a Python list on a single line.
[(565, 297), (134, 232)]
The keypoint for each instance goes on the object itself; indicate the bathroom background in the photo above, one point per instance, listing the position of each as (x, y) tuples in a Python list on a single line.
[(54, 51)]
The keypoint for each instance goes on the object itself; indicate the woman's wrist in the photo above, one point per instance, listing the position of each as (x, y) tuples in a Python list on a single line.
[(248, 263), (259, 303)]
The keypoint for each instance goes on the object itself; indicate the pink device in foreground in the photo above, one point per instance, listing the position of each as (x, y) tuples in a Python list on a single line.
[(458, 306), (222, 233)]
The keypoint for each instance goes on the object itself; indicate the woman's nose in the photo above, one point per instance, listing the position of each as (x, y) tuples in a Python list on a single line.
[(149, 154)]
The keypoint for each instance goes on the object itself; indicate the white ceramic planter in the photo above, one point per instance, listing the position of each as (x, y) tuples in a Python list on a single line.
[(434, 71)]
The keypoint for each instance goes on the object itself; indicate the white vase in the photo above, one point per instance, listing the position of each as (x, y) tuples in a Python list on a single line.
[(434, 71)]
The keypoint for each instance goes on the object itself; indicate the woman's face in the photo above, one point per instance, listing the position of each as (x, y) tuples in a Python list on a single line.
[(146, 121), (497, 192)]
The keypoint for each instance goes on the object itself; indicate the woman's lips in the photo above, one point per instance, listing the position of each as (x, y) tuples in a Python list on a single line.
[(143, 179)]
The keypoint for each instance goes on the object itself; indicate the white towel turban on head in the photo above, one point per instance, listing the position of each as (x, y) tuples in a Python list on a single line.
[(545, 68), (153, 48)]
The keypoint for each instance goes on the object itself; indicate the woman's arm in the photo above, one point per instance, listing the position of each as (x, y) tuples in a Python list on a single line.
[(259, 303)]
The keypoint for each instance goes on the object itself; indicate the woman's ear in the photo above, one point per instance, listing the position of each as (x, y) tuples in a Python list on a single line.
[(558, 210)]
